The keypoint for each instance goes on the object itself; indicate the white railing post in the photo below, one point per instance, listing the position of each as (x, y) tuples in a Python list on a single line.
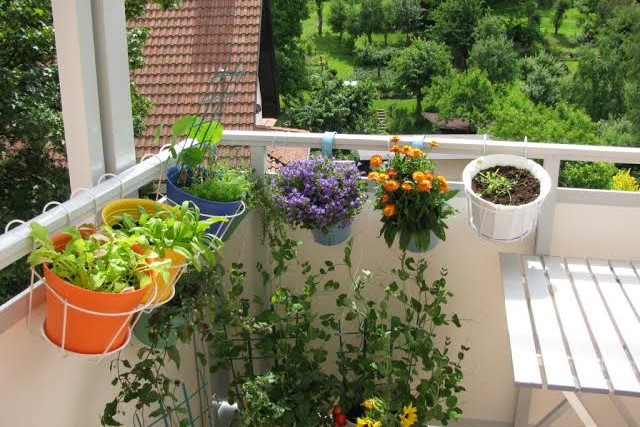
[(259, 160), (112, 66), (545, 222), (73, 24)]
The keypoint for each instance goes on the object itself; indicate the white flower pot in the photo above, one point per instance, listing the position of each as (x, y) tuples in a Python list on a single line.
[(501, 222)]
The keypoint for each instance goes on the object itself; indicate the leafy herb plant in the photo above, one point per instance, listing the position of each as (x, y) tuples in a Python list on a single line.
[(98, 260), (495, 184)]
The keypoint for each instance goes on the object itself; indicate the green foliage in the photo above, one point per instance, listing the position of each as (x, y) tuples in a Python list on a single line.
[(558, 14), (598, 85), (541, 76), (259, 409), (404, 120), (596, 175), (489, 26), (525, 33), (496, 57), (292, 72), (415, 66), (334, 106), (371, 17), (494, 183), (406, 16), (178, 228), (102, 261), (465, 95), (623, 181), (515, 116), (287, 17), (338, 16), (618, 133), (399, 358), (222, 184), (455, 22)]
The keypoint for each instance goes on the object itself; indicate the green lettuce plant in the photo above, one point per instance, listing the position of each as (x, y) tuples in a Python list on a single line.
[(101, 260)]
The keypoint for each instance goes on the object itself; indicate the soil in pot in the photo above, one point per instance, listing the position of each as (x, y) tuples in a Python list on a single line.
[(506, 185)]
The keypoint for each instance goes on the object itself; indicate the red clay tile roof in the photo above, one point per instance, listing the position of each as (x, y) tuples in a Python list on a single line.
[(185, 47)]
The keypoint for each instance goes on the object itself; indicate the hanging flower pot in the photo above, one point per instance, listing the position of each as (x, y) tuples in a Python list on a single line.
[(91, 313), (321, 195), (505, 195), (183, 186), (414, 200), (332, 236)]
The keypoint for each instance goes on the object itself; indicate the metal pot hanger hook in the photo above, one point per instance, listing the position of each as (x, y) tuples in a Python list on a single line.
[(327, 144), (484, 144), (66, 211), (104, 177)]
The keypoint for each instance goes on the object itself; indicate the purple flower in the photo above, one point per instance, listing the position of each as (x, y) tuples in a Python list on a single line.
[(319, 193)]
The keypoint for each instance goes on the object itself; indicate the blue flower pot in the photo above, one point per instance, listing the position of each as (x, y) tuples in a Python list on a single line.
[(176, 196), (433, 241), (335, 236)]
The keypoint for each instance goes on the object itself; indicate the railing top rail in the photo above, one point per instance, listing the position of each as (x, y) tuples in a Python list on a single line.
[(447, 145)]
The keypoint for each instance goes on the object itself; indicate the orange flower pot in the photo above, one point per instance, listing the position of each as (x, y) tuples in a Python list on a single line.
[(86, 333), (165, 289)]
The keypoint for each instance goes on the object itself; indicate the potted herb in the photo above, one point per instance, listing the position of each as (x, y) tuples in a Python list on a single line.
[(412, 197), (91, 274), (505, 195), (217, 189), (320, 195), (175, 233)]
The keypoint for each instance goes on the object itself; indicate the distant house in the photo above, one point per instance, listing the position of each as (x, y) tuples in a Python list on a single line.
[(188, 44), (449, 126)]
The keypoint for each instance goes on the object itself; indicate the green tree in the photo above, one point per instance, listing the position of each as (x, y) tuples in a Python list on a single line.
[(371, 18), (558, 14), (455, 22), (287, 17), (598, 84), (496, 56), (516, 116), (418, 64), (333, 106), (596, 175), (406, 16), (319, 12), (541, 76), (338, 15), (464, 95)]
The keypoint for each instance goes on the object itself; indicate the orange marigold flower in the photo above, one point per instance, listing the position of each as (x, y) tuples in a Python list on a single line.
[(394, 139), (418, 176), (396, 149), (389, 210), (424, 185), (407, 186), (382, 177), (373, 176), (415, 152), (430, 176), (385, 198), (444, 185), (393, 172), (433, 143), (406, 149), (375, 161), (391, 185)]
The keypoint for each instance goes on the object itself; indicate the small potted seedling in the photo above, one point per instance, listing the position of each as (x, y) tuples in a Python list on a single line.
[(505, 195)]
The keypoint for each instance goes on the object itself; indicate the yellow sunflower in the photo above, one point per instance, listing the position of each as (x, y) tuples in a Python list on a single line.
[(368, 422), (409, 415)]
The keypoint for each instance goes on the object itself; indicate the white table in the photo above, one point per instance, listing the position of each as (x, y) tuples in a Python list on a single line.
[(573, 326)]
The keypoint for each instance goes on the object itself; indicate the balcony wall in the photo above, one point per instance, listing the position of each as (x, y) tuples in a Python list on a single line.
[(40, 387)]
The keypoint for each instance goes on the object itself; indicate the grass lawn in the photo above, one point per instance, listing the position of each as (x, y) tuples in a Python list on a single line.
[(565, 43)]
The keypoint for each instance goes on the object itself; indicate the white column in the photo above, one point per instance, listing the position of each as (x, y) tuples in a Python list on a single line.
[(112, 64), (79, 90)]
